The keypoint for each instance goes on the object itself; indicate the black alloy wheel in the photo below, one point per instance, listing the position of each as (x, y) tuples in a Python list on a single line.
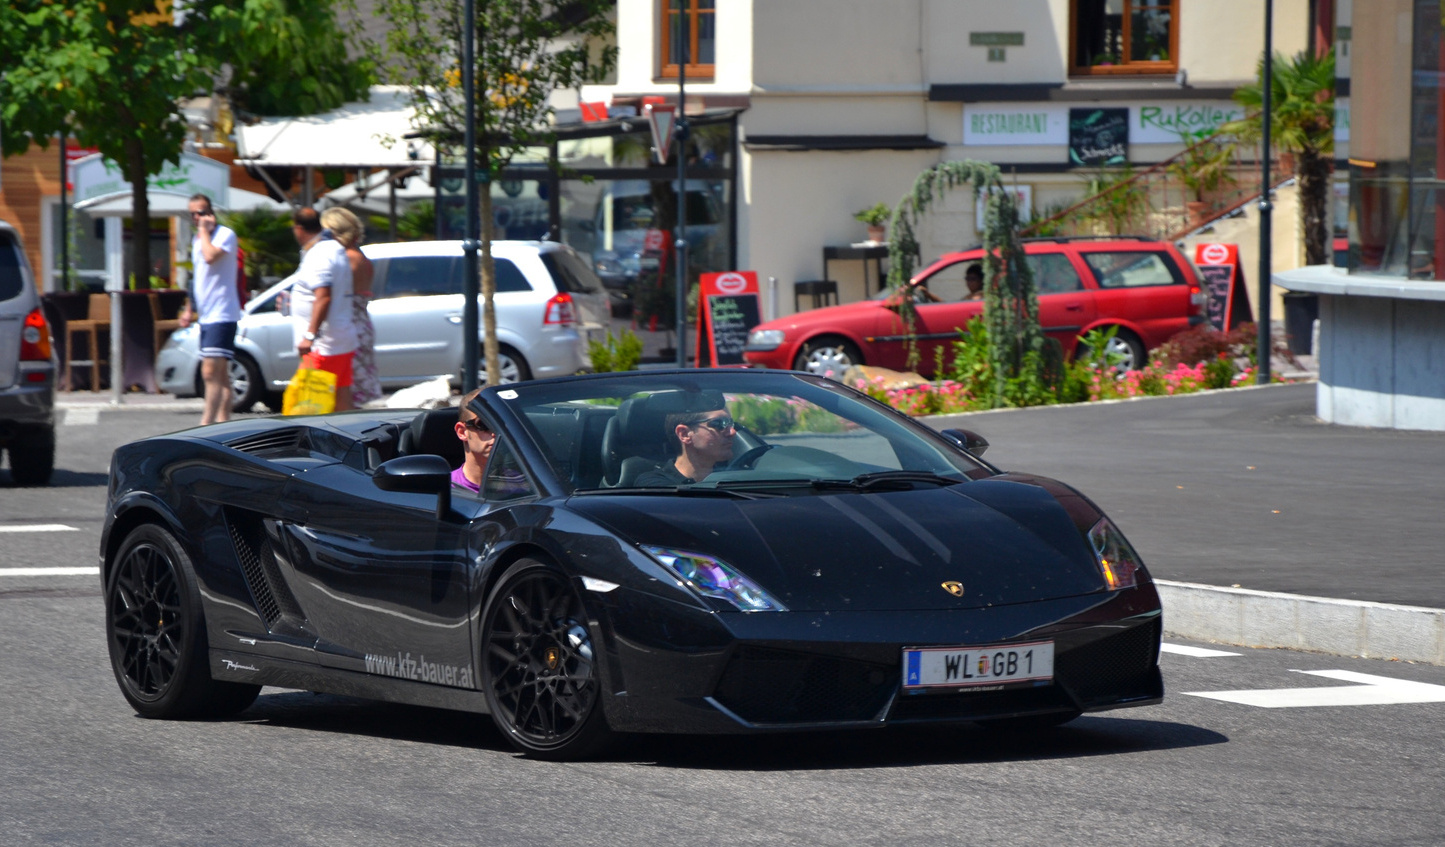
[(539, 665), (156, 633)]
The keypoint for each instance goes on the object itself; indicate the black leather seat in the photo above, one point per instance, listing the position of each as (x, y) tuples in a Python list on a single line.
[(434, 431)]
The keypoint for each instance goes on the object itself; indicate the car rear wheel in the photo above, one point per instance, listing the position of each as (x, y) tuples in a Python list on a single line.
[(156, 633), (32, 455), (1130, 350), (828, 356), (540, 665), (513, 366)]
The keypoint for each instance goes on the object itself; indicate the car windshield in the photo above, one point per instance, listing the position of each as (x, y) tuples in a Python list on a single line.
[(760, 435)]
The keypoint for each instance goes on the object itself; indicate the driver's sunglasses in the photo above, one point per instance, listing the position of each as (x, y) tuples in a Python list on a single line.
[(717, 424)]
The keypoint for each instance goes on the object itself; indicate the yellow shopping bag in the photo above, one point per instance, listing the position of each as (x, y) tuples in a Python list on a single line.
[(311, 392)]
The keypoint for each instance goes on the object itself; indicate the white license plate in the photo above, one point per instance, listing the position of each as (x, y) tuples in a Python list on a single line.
[(959, 667)]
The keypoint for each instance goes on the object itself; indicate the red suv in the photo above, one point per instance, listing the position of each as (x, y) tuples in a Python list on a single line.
[(1145, 288)]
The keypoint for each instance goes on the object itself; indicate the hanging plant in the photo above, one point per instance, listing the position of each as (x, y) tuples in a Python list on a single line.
[(1024, 360)]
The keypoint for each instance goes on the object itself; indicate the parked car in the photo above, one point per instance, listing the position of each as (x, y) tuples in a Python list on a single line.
[(848, 568), (1145, 288), (27, 369), (549, 303), (619, 228)]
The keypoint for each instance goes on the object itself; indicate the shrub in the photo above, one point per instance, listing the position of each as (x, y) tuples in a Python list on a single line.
[(622, 353)]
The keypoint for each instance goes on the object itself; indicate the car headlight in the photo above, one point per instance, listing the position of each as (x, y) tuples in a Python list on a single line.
[(712, 577), (1118, 563), (765, 339)]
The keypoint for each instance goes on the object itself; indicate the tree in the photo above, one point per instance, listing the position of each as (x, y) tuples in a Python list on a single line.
[(526, 50), (114, 73), (293, 57), (1025, 362), (1302, 122)]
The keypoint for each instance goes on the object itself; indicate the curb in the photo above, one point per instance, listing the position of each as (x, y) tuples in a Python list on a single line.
[(1250, 618)]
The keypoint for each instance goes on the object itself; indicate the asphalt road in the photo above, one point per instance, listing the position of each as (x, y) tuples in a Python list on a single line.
[(296, 768), (1247, 488), (78, 767)]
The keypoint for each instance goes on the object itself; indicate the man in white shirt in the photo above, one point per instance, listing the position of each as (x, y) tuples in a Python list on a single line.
[(217, 302), (321, 304)]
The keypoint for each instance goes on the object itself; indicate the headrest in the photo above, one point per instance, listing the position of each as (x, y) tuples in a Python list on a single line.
[(434, 431)]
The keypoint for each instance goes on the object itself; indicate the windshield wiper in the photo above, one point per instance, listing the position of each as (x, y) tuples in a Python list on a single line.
[(893, 480), (679, 490)]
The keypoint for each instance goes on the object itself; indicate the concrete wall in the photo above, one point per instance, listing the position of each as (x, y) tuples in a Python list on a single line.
[(1382, 362)]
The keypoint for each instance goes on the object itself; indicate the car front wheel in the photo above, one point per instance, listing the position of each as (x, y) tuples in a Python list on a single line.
[(828, 356), (540, 665)]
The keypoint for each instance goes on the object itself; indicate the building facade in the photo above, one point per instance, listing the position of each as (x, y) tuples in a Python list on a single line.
[(844, 102)]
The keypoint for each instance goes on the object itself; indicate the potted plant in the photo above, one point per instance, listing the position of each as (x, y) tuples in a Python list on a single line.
[(1203, 168), (875, 217)]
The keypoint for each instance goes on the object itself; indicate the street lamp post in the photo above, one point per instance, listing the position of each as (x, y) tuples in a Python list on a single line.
[(471, 284), (1265, 334), (680, 245)]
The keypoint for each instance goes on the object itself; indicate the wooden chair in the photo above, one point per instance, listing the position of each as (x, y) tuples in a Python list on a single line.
[(97, 319), (163, 326)]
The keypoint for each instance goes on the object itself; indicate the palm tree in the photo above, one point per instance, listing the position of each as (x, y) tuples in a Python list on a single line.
[(1302, 122)]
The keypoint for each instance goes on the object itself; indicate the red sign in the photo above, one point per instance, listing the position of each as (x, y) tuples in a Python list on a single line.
[(1224, 280), (662, 119), (729, 308), (593, 112)]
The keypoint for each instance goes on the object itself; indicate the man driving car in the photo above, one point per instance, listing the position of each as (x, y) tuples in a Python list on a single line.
[(702, 440)]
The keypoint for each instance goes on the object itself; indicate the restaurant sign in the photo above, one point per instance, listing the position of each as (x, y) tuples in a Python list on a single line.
[(96, 176), (1014, 124)]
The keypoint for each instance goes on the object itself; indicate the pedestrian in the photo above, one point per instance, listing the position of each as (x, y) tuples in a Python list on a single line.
[(214, 301), (320, 304), (348, 229)]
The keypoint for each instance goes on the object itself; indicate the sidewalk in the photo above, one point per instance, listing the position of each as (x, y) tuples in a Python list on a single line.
[(1240, 497)]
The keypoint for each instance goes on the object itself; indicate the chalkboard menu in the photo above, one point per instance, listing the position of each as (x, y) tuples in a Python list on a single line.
[(1223, 279), (1098, 136), (730, 317)]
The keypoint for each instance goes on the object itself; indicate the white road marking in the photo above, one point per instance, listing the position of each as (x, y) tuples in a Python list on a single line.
[(1371, 691), (49, 571), (1196, 652), (82, 416), (39, 527)]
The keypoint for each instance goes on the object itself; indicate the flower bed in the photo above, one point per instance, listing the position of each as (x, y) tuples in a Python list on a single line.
[(1219, 361)]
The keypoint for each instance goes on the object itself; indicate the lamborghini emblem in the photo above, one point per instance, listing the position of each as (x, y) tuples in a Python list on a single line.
[(553, 658), (954, 588)]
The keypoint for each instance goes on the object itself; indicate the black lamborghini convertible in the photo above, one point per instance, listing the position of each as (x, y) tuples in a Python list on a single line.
[(845, 566)]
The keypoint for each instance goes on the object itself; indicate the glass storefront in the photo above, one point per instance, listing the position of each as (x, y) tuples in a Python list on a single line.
[(612, 203), (1397, 146)]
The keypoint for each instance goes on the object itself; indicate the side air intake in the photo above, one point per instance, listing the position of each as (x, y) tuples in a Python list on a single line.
[(276, 442), (274, 601)]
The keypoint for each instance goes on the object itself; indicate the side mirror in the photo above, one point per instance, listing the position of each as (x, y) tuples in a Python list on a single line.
[(971, 442), (420, 474)]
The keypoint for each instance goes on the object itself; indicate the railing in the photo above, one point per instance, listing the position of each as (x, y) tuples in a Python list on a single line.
[(1168, 200)]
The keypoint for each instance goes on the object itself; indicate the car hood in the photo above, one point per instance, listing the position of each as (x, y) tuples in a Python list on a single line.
[(828, 316), (1006, 542)]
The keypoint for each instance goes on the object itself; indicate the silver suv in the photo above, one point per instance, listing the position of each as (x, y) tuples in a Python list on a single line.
[(549, 304), (27, 369)]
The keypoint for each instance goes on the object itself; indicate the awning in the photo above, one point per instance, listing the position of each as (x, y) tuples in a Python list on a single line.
[(348, 137), (175, 205)]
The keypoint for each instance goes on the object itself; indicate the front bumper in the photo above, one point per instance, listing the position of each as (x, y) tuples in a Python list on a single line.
[(674, 670), (176, 369)]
